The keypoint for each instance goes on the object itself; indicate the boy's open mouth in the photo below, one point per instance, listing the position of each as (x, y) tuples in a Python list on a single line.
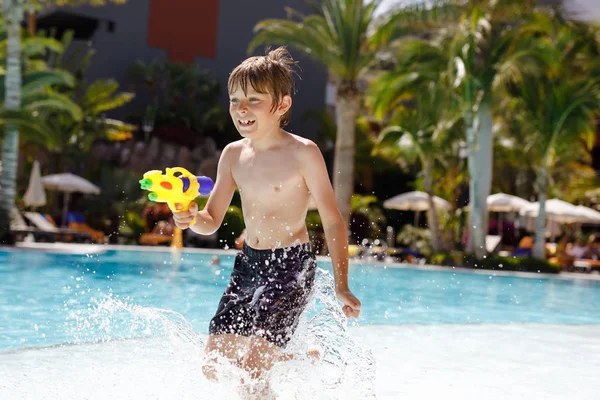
[(246, 122)]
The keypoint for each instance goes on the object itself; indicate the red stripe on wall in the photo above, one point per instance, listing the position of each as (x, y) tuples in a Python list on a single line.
[(184, 28)]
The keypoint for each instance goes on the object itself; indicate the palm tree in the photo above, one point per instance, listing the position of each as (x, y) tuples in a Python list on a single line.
[(561, 103), (345, 36), (484, 60), (416, 98), (23, 96), (13, 15), (337, 36)]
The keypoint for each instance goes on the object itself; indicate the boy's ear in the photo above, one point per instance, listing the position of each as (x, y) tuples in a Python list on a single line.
[(285, 104)]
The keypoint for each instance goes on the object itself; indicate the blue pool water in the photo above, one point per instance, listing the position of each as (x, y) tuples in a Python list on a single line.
[(44, 297)]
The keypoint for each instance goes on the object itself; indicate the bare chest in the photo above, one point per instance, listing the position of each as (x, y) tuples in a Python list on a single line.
[(268, 178)]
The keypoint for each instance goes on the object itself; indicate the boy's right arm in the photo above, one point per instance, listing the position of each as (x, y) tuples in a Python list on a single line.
[(209, 219)]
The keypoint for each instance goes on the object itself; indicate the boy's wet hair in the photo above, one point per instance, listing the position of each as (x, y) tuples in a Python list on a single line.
[(270, 74)]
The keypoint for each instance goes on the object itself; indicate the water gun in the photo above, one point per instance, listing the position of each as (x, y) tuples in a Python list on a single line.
[(177, 186)]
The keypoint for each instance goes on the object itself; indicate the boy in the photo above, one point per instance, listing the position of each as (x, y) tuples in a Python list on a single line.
[(276, 172)]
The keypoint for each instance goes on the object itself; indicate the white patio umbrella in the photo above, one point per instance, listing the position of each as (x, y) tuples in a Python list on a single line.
[(556, 210), (69, 183), (35, 196), (590, 215), (415, 201), (502, 202)]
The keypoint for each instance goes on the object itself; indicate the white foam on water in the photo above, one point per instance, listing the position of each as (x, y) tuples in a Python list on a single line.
[(413, 362)]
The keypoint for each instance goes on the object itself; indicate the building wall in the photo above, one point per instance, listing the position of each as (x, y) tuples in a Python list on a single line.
[(588, 10), (128, 42)]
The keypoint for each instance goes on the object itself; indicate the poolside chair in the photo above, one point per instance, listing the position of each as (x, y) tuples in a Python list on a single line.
[(76, 221), (46, 231), (19, 227), (492, 242), (524, 248)]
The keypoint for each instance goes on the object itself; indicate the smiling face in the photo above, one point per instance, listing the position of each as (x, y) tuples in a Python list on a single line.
[(253, 113)]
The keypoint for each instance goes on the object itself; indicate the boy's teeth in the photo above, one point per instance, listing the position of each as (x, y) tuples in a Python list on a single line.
[(246, 122)]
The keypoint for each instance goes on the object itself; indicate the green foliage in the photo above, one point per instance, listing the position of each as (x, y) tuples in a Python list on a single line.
[(41, 4), (119, 207), (526, 264), (418, 239), (41, 89), (72, 134), (494, 262), (336, 35), (316, 234), (132, 226), (232, 227), (367, 206), (313, 221), (180, 95)]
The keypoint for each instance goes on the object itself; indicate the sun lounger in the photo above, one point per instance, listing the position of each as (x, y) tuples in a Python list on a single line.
[(492, 242), (46, 231), (76, 221), (19, 227)]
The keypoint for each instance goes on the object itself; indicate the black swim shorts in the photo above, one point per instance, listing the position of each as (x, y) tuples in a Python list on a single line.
[(267, 293)]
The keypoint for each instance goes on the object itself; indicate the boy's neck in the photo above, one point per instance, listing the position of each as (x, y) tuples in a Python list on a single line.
[(268, 141)]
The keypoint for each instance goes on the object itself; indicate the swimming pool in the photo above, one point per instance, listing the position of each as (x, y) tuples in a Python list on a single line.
[(44, 300)]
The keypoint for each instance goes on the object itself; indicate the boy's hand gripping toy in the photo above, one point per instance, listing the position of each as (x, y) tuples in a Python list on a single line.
[(177, 186)]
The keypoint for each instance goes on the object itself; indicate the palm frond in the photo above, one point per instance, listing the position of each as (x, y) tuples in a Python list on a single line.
[(53, 101), (39, 80), (30, 128)]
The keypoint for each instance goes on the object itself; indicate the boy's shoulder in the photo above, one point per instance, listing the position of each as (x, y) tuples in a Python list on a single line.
[(302, 144), (238, 144), (232, 149)]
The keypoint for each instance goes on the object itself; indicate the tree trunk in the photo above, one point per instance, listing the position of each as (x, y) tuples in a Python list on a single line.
[(347, 108), (539, 250), (13, 13), (31, 22), (432, 216), (475, 243), (485, 164)]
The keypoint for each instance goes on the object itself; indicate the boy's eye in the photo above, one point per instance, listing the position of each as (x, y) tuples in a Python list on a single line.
[(233, 100)]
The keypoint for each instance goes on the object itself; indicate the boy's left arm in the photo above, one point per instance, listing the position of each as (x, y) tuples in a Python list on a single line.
[(319, 185)]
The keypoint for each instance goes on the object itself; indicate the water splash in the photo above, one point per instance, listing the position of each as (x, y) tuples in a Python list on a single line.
[(150, 335)]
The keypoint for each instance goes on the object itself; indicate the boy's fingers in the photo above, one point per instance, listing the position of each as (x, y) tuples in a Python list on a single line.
[(185, 218)]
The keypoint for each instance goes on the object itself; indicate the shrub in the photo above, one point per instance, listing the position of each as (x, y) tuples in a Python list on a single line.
[(493, 262), (525, 264)]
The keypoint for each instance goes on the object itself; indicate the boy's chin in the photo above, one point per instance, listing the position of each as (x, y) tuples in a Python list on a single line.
[(247, 134)]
